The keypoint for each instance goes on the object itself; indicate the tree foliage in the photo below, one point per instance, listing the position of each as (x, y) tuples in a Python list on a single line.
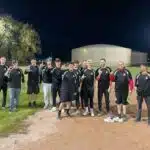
[(17, 40)]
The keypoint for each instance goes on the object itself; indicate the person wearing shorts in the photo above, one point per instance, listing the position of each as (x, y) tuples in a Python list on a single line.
[(142, 84), (123, 85), (33, 82), (78, 76), (67, 90)]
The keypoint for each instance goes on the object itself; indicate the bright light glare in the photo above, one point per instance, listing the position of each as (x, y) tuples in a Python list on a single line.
[(85, 50)]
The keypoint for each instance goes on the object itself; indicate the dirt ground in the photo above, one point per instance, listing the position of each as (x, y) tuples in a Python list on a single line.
[(81, 133)]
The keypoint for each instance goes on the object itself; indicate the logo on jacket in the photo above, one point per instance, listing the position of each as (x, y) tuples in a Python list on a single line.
[(124, 74), (146, 78)]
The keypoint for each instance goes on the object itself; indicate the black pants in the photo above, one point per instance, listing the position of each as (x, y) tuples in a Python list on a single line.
[(100, 96), (140, 102), (77, 99), (55, 91), (4, 89), (82, 97), (88, 95)]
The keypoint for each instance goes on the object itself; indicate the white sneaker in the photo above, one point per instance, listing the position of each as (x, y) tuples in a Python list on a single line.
[(121, 120), (77, 112), (92, 112), (116, 119), (53, 109), (46, 107), (85, 113), (109, 120)]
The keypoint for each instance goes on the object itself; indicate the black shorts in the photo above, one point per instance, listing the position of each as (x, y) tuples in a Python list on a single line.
[(121, 97), (66, 96), (33, 89)]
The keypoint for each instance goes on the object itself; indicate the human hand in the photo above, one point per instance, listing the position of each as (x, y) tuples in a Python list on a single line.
[(100, 72)]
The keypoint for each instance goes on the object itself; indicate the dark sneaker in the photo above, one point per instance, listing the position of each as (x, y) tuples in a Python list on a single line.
[(68, 113), (59, 115), (100, 114), (137, 120), (34, 104), (29, 105), (125, 118)]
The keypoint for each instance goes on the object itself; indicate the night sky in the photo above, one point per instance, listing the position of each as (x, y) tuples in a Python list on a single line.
[(67, 24)]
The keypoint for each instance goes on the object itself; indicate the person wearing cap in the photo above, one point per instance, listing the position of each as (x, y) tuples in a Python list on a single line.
[(142, 84), (56, 82), (3, 80), (123, 86), (46, 74), (15, 78), (67, 90), (102, 75), (88, 88), (33, 82)]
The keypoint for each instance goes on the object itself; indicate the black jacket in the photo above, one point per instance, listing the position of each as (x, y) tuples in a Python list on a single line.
[(88, 77), (68, 81), (33, 75), (47, 75), (57, 76), (3, 78), (15, 77), (142, 82), (77, 72), (104, 80), (122, 79)]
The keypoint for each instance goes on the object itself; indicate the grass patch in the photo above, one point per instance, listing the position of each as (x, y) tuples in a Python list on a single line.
[(11, 123)]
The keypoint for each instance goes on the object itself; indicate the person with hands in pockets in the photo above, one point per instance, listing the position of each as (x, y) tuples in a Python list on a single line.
[(123, 86), (88, 88), (142, 84), (102, 75)]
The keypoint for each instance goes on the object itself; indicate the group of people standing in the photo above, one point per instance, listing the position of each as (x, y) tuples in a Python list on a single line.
[(77, 82)]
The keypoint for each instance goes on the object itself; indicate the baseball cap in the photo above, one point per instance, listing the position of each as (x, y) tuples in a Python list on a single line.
[(57, 60)]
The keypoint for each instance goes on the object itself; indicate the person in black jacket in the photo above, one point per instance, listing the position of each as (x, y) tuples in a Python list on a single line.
[(46, 73), (88, 88), (77, 72), (33, 82), (83, 68), (15, 77), (67, 90), (142, 84), (123, 85), (3, 80), (56, 81), (102, 75)]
